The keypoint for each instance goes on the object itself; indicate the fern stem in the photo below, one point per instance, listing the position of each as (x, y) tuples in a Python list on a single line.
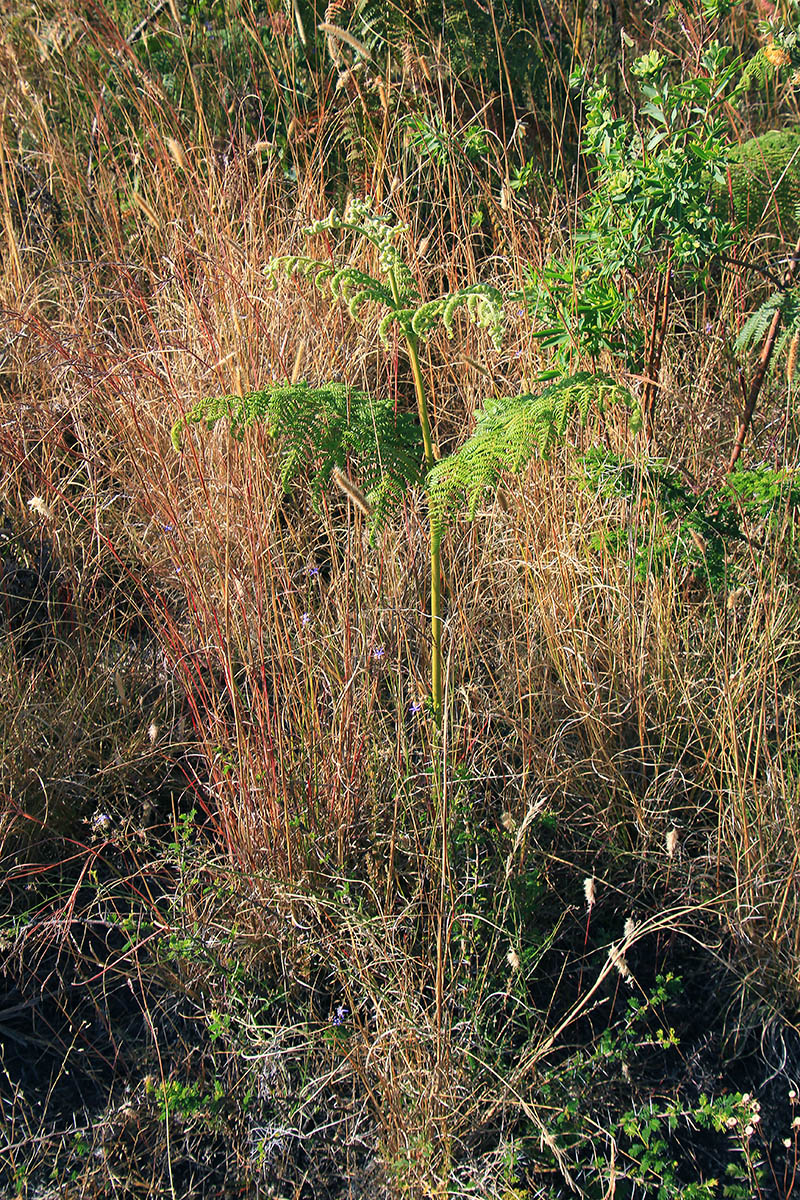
[(412, 343), (422, 400), (436, 562), (436, 628), (439, 791)]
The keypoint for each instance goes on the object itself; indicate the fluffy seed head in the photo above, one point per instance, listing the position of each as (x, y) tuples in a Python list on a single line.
[(353, 493), (36, 504), (617, 956), (176, 152)]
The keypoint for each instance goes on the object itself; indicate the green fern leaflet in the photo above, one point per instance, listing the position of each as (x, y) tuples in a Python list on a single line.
[(755, 327), (510, 430), (320, 428)]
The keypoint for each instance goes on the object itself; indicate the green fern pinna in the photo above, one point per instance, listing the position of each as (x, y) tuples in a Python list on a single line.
[(320, 429)]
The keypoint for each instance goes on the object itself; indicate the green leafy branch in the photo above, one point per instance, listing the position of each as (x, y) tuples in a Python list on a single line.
[(697, 528)]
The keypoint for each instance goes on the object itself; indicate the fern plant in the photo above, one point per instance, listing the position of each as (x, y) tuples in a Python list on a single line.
[(326, 426), (321, 429), (764, 186)]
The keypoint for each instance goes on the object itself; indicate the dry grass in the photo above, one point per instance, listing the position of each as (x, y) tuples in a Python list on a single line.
[(218, 827)]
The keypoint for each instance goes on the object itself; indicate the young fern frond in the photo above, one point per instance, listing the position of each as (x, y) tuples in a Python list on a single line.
[(399, 294), (400, 316), (322, 428), (382, 232), (349, 284), (354, 287), (300, 264), (509, 431), (484, 305)]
